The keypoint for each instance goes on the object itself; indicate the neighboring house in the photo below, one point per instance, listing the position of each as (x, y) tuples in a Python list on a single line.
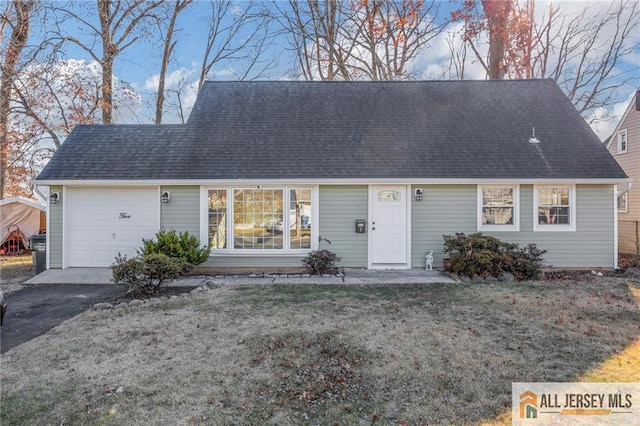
[(624, 145), (265, 172)]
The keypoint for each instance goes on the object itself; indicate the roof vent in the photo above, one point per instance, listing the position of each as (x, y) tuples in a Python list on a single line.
[(533, 138), (638, 99)]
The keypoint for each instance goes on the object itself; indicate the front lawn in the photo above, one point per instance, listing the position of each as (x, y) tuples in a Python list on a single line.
[(396, 354), (14, 270)]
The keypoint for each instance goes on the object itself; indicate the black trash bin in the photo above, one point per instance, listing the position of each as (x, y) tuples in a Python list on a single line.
[(38, 243)]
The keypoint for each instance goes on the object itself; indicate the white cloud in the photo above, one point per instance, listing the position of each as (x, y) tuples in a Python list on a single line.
[(604, 121), (172, 79)]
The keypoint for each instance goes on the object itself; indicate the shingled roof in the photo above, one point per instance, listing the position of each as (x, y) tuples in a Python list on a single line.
[(349, 130)]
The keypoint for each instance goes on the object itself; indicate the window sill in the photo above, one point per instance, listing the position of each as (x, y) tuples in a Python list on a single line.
[(554, 228), (498, 228), (220, 253)]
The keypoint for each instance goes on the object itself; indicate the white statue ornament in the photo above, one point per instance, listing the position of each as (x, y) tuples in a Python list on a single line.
[(429, 265)]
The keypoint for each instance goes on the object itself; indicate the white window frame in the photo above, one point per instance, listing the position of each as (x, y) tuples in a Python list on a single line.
[(544, 227), (515, 226), (625, 196), (620, 134), (230, 250)]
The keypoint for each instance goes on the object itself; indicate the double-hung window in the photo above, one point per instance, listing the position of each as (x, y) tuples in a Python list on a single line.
[(554, 208), (498, 208), (276, 220), (622, 202), (622, 141)]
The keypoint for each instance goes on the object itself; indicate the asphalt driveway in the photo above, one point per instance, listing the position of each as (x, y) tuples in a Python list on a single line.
[(36, 309)]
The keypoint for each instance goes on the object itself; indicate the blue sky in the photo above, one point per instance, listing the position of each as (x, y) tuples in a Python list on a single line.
[(140, 63)]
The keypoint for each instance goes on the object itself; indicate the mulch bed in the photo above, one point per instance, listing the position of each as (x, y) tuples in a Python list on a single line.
[(629, 261)]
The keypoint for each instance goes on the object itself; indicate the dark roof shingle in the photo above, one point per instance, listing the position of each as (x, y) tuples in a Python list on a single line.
[(350, 130)]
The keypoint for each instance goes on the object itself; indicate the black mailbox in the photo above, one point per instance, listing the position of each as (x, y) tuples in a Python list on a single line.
[(361, 226)]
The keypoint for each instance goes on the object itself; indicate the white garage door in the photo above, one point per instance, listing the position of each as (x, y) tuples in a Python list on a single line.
[(104, 222)]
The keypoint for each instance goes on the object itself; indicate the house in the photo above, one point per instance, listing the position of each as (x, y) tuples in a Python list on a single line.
[(624, 145), (377, 172)]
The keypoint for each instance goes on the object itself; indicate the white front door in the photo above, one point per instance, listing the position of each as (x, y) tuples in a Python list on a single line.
[(388, 227), (102, 222)]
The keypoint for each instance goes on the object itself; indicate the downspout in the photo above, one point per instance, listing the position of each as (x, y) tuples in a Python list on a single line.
[(45, 198), (616, 236)]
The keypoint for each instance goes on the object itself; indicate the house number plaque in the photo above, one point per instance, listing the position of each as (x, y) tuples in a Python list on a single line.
[(124, 215)]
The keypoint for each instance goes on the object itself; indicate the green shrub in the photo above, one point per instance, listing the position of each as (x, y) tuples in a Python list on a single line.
[(321, 262), (475, 254), (127, 271), (527, 262), (144, 275), (485, 256), (170, 243)]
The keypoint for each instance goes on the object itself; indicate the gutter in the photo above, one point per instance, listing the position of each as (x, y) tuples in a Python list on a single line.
[(629, 185), (326, 181)]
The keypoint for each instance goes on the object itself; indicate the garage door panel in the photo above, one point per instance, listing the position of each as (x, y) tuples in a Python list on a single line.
[(104, 222), (81, 256)]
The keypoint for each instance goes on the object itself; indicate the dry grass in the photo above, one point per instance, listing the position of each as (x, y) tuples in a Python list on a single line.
[(282, 355), (14, 270)]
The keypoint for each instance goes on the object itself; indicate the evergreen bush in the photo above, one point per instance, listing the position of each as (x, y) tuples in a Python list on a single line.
[(183, 245), (144, 275), (486, 256)]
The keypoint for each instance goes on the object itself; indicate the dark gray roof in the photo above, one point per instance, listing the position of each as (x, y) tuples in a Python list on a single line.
[(348, 130)]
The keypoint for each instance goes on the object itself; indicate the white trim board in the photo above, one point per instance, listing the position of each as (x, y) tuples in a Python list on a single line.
[(332, 181)]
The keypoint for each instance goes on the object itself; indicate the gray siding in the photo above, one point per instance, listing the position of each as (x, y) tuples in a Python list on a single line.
[(340, 206), (182, 212), (447, 209), (55, 231), (256, 261), (591, 245), (444, 210)]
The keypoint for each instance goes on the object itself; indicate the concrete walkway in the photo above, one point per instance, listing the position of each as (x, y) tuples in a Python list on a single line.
[(351, 276), (73, 276)]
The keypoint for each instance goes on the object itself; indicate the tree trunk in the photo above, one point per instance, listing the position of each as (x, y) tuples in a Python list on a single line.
[(109, 52), (166, 56), (17, 42), (497, 12)]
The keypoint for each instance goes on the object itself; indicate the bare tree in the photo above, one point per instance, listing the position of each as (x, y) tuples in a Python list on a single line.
[(497, 13), (56, 96), (314, 31), (373, 40), (394, 33), (238, 33), (121, 23), (582, 51), (19, 20), (178, 102), (169, 45)]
